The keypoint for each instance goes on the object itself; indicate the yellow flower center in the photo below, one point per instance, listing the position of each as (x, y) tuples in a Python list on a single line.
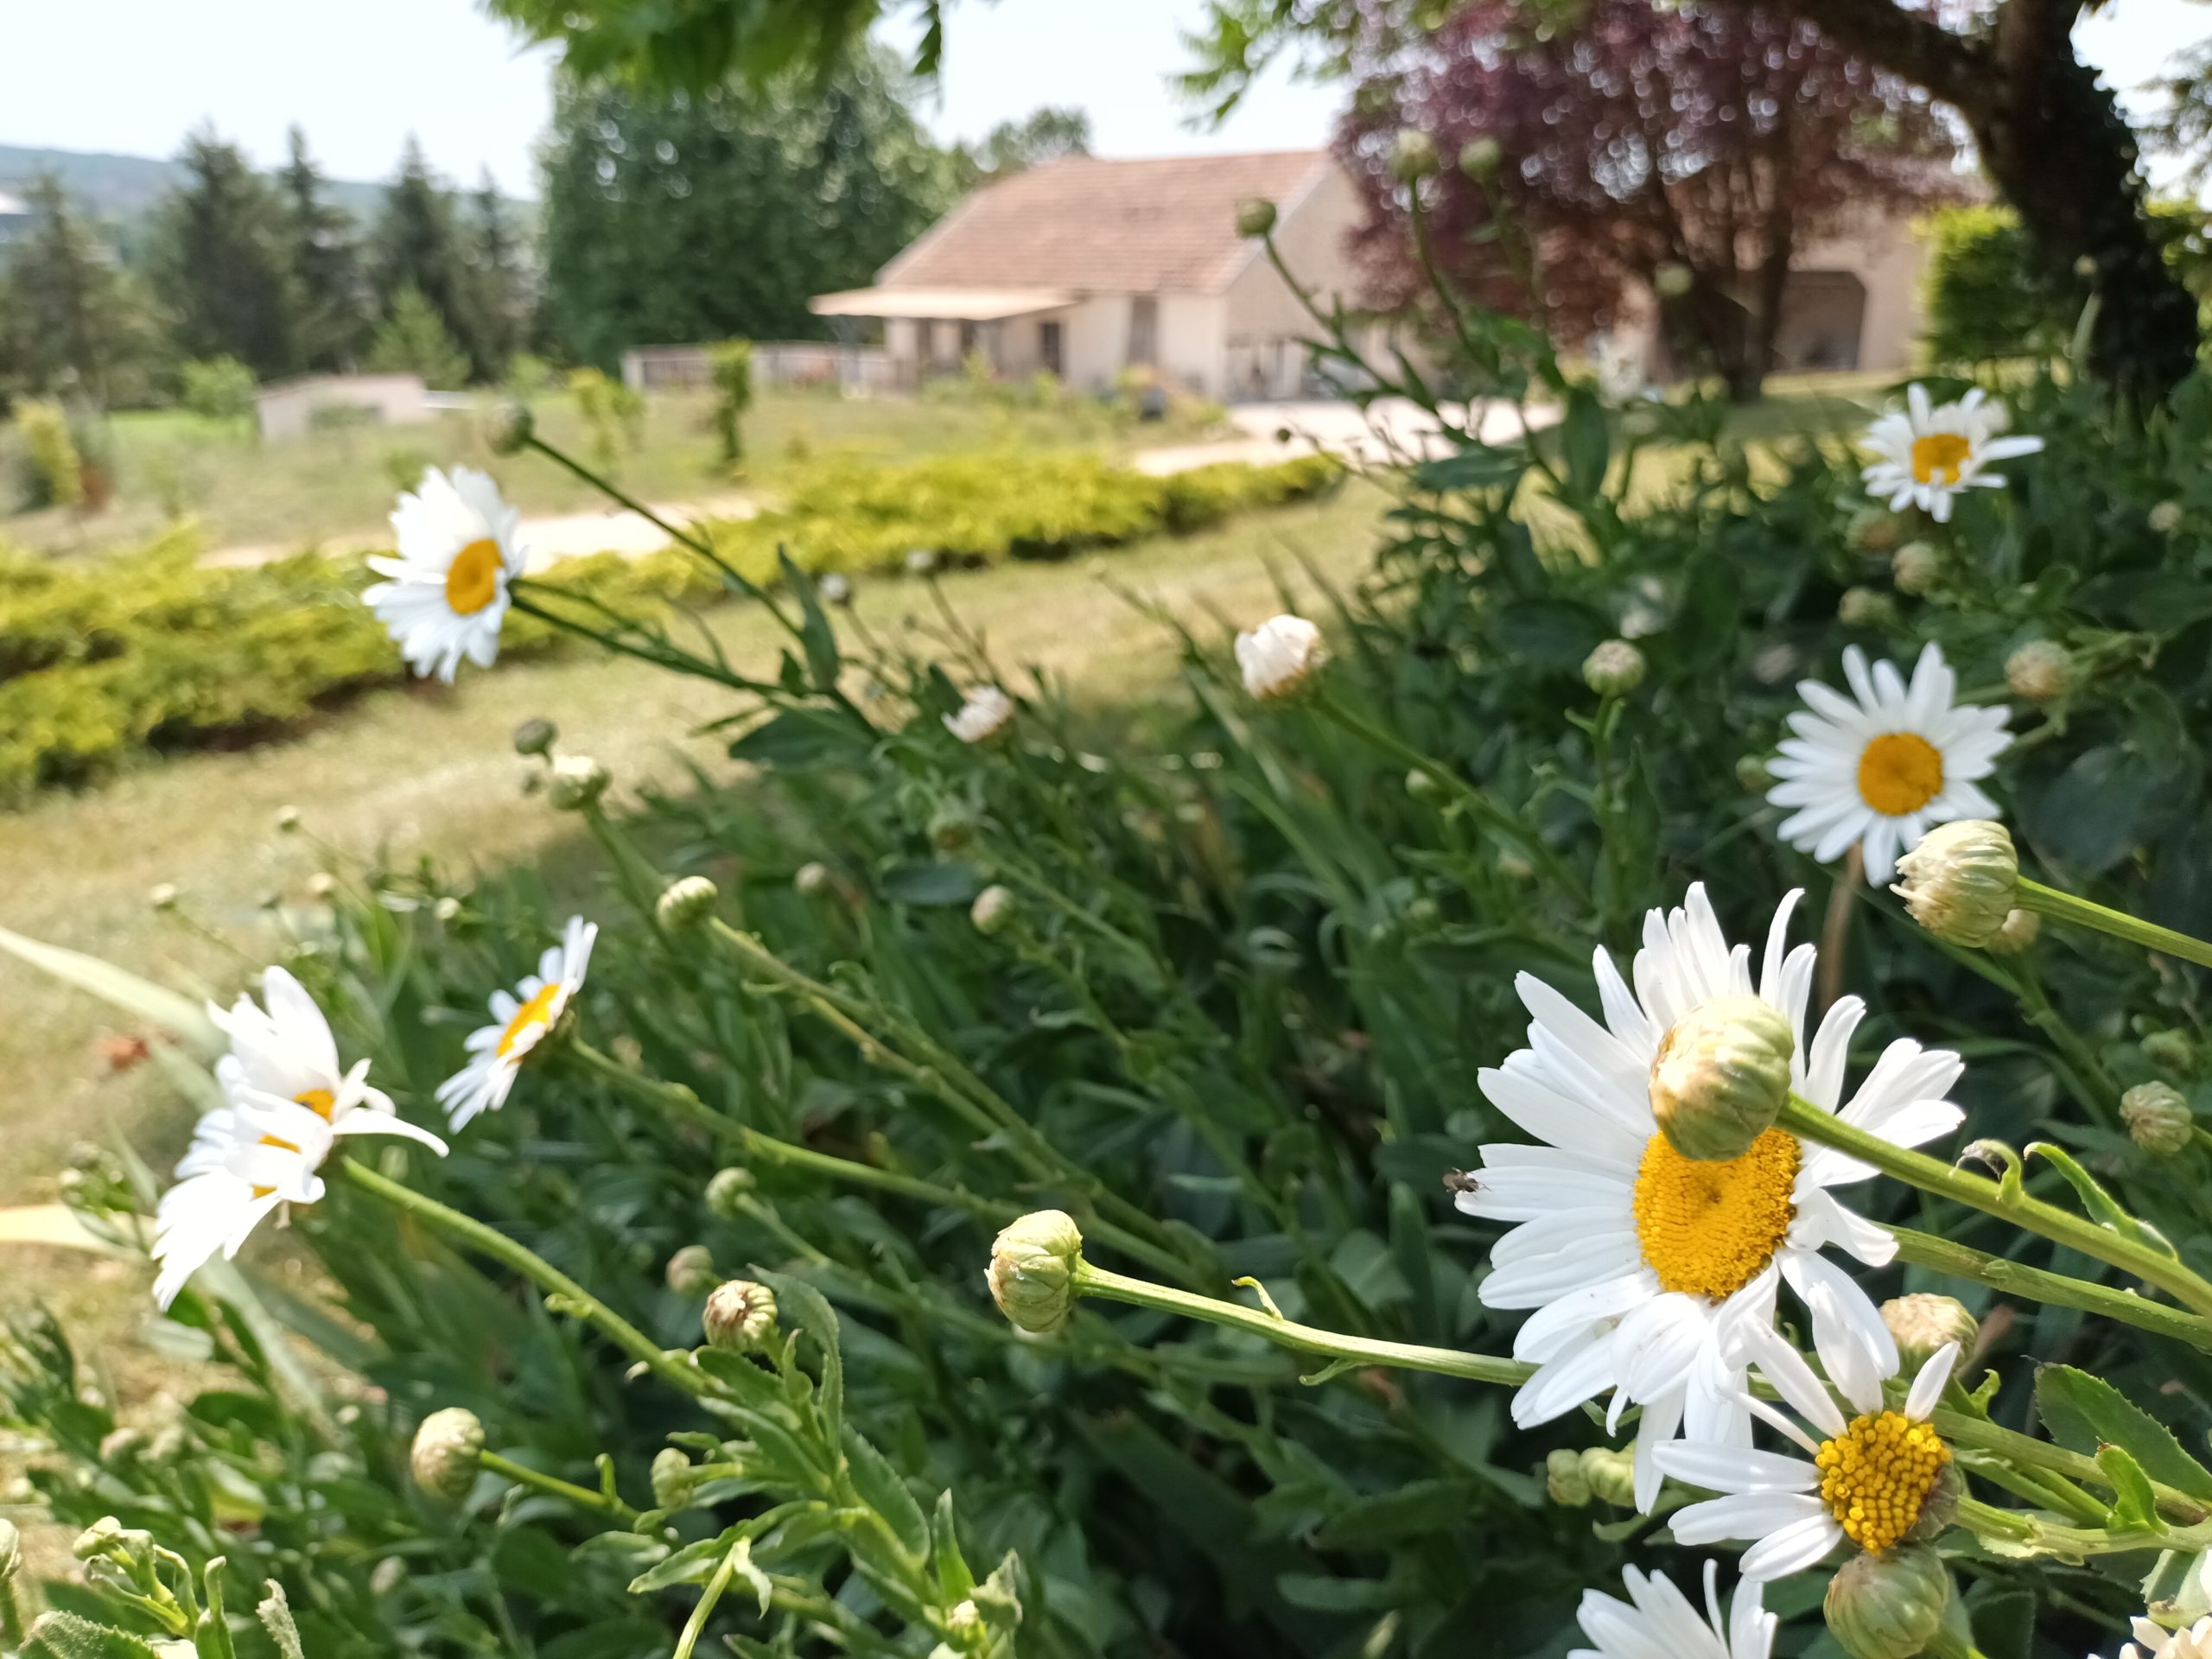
[(472, 578), (1940, 457), (1709, 1228), (1899, 772), (320, 1101), (533, 1015), (282, 1146), (1877, 1474)]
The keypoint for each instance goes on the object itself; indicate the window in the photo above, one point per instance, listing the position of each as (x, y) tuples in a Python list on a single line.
[(1048, 346), (1144, 329)]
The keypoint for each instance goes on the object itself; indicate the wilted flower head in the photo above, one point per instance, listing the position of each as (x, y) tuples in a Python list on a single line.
[(447, 1450), (1276, 657), (985, 713)]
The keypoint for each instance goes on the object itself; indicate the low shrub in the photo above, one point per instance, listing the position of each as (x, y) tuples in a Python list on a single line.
[(219, 389)]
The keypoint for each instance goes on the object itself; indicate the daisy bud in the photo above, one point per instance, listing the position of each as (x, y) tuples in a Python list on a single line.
[(951, 827), (1255, 217), (447, 1447), (508, 425), (964, 1621), (388, 1575), (673, 1480), (2018, 934), (740, 1316), (1889, 1605), (2171, 1049), (446, 908), (287, 820), (1413, 155), (690, 1271), (1960, 881), (321, 885), (994, 908), (1277, 657), (1915, 568), (2042, 670), (535, 737), (163, 896), (2086, 268), (1614, 669), (1873, 530), (578, 782), (1478, 157), (1564, 1479), (1611, 1475), (685, 902), (726, 1189), (920, 561), (1420, 784), (835, 589), (1720, 1076), (1032, 1274), (2165, 517), (1920, 1324), (1673, 280), (1866, 607), (2158, 1118)]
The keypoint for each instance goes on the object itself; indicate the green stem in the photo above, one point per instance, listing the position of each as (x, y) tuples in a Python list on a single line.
[(523, 1474), (1091, 1281), (698, 545), (2065, 907), (2018, 1527), (1961, 1262), (674, 659), (675, 1370), (695, 1626), (1809, 1122)]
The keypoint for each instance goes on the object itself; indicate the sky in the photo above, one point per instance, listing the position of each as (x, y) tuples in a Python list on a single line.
[(477, 98)]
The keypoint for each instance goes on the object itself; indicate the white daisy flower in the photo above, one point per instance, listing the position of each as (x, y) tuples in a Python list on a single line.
[(1657, 1622), (286, 1103), (1636, 1259), (1885, 769), (983, 714), (448, 592), (1869, 1475), (1276, 657), (2156, 1643), (1927, 453), (520, 1021)]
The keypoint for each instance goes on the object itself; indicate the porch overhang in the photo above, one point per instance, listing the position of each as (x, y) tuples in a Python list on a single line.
[(941, 304)]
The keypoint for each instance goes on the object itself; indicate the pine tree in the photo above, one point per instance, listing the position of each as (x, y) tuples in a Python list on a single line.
[(417, 245), (498, 298), (413, 339), (223, 262), (326, 264), (69, 320)]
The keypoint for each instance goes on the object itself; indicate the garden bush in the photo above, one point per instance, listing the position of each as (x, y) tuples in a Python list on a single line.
[(1223, 979)]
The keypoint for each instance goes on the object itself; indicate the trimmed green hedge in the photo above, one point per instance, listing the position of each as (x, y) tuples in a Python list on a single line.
[(153, 650)]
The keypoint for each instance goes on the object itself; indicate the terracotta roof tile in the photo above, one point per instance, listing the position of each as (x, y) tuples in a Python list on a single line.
[(1105, 226)]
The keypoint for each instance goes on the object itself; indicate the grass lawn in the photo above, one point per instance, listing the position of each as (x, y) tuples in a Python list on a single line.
[(339, 484), (425, 770)]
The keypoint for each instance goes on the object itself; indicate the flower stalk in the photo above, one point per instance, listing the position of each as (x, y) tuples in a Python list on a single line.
[(583, 1497), (2084, 913)]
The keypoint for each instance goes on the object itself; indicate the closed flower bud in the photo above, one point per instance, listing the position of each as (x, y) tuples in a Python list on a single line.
[(508, 425), (1721, 1076), (1889, 1605), (2042, 670), (835, 589), (1478, 157), (1960, 879), (673, 1479), (1420, 784), (1873, 530), (811, 878), (2165, 517), (287, 820), (446, 909), (2158, 1118), (162, 896), (1032, 1275), (723, 1192), (447, 1447), (1922, 1324), (321, 885), (2018, 934), (535, 737), (1751, 775), (920, 561), (2172, 1049), (578, 782), (740, 1316), (994, 908), (1673, 280), (1611, 1475), (964, 1621), (1413, 155), (1614, 669), (1255, 217), (690, 1271), (1276, 657), (685, 902), (952, 827), (1564, 1479), (1866, 607), (1915, 568)]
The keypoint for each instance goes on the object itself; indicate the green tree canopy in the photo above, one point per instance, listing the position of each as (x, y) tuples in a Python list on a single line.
[(416, 243), (678, 216), (70, 319), (326, 263), (497, 296), (222, 262)]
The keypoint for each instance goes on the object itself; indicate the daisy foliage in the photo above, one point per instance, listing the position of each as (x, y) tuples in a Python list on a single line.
[(1632, 1261)]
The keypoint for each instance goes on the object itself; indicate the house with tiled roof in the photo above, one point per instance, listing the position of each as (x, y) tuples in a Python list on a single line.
[(1087, 267)]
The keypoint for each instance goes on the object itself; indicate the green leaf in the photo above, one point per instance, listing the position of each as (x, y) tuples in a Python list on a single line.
[(816, 635), (2085, 1412), (1586, 444), (2102, 1207), (693, 1564), (794, 737), (804, 1306), (1421, 1508), (883, 1490), (1553, 633), (1330, 1595), (932, 884), (276, 1616), (2134, 1504), (211, 1631), (2004, 1625), (741, 1564), (65, 1636), (142, 999), (953, 1575)]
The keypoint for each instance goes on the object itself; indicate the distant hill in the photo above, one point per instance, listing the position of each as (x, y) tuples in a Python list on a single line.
[(122, 188)]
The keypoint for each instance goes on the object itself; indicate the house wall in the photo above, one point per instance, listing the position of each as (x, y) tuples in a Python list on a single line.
[(290, 410), (1263, 325)]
